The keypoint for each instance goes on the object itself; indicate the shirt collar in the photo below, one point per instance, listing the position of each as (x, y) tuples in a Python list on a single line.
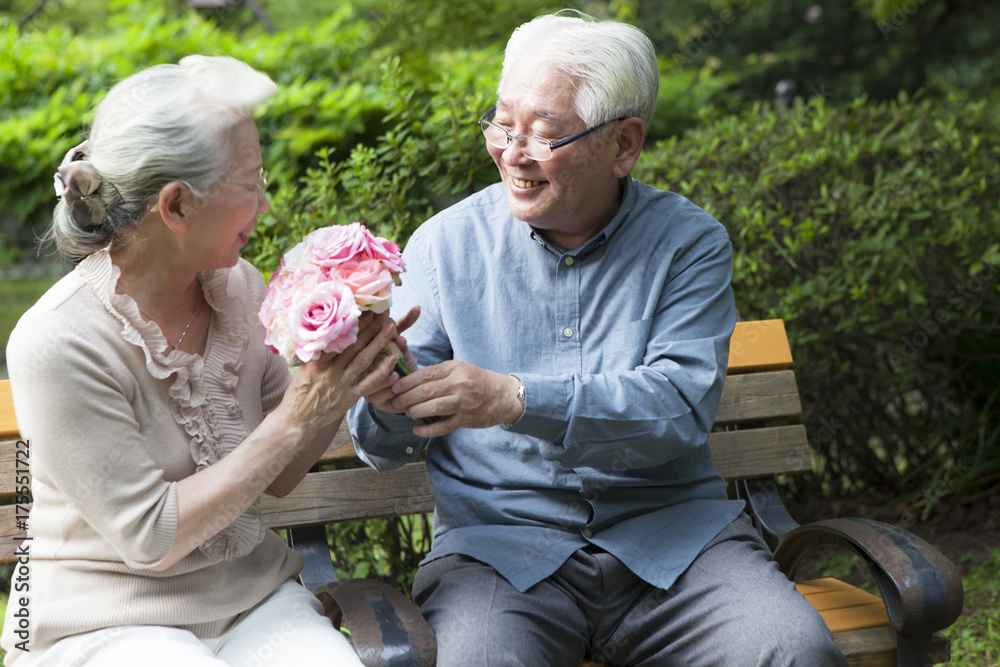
[(628, 201)]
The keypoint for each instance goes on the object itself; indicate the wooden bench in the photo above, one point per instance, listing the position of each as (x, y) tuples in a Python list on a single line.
[(756, 438)]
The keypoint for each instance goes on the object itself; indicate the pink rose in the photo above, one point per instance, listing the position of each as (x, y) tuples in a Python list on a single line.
[(323, 319), (316, 296), (330, 246), (369, 281), (275, 310), (384, 251)]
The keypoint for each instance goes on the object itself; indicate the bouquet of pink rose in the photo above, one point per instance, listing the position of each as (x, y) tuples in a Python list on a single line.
[(316, 296)]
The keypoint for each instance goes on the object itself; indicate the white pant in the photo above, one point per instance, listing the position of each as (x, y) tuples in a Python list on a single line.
[(288, 629)]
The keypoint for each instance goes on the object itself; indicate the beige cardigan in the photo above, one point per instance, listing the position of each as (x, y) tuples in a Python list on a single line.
[(113, 423)]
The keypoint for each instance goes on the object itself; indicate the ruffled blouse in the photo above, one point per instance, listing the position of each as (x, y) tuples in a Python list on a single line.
[(202, 398)]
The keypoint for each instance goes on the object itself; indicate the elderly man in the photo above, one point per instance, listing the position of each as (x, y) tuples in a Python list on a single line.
[(575, 325)]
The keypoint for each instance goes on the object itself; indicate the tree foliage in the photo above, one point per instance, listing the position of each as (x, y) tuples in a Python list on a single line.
[(843, 50)]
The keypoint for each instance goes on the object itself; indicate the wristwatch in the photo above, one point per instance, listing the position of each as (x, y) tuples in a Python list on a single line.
[(520, 390), (520, 394)]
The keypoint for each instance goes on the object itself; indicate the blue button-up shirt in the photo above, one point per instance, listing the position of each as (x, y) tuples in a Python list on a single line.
[(621, 345)]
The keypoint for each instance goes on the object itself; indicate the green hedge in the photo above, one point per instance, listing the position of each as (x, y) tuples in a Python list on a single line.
[(874, 232)]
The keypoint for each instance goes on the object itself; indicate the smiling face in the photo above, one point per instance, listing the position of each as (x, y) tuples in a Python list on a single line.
[(228, 216), (571, 197)]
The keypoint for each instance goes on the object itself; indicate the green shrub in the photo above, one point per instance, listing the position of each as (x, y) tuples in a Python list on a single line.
[(873, 232), (386, 549)]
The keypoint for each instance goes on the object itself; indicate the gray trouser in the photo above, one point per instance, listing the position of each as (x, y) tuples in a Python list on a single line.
[(732, 607)]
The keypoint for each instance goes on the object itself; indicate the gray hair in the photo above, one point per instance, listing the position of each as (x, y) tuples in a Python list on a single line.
[(613, 65), (166, 123)]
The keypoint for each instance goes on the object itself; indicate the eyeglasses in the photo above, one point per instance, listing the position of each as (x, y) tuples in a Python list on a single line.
[(533, 147), (259, 186)]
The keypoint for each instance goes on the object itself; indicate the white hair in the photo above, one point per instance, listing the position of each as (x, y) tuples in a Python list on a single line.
[(613, 65), (166, 123)]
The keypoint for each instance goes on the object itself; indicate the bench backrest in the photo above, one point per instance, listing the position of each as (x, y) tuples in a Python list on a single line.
[(759, 397)]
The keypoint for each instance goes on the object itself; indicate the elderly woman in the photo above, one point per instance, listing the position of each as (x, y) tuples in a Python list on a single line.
[(157, 416)]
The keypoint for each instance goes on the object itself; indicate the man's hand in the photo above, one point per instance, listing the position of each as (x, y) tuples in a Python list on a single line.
[(462, 395)]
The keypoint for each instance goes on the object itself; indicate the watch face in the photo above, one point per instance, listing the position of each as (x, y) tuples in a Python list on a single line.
[(520, 389)]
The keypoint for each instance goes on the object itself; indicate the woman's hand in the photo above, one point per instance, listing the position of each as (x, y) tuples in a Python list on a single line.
[(323, 390), (381, 397)]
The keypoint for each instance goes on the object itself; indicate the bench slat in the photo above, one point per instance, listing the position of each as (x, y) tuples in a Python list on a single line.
[(341, 450), (759, 346), (8, 423), (8, 467), (844, 607), (758, 397), (362, 493), (761, 452), (876, 647), (348, 495)]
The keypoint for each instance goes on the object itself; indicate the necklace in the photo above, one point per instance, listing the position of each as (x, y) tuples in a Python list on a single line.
[(180, 340)]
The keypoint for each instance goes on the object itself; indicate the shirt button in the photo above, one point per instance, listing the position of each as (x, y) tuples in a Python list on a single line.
[(568, 332), (409, 450), (569, 261), (587, 533)]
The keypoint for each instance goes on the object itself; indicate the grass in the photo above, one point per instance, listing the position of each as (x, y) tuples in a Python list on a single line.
[(16, 296), (975, 637)]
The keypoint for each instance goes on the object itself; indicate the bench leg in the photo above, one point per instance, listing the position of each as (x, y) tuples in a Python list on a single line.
[(914, 651), (310, 541)]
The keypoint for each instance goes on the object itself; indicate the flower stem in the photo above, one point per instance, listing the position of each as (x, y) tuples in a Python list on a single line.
[(403, 368)]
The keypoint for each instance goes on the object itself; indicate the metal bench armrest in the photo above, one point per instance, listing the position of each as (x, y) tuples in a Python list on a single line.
[(921, 588), (386, 628)]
